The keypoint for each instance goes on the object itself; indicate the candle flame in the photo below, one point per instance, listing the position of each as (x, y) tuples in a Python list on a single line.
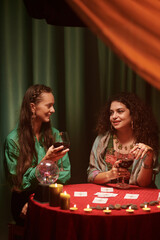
[(129, 207), (107, 208), (65, 192), (74, 205), (55, 184), (88, 206), (145, 205)]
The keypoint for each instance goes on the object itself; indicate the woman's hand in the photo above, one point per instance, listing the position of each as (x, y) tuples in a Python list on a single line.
[(55, 153), (118, 172), (140, 149), (114, 173), (24, 211)]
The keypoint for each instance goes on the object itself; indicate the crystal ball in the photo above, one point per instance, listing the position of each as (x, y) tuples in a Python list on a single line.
[(47, 172)]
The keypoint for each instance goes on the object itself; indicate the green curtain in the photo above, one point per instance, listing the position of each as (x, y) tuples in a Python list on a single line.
[(82, 72)]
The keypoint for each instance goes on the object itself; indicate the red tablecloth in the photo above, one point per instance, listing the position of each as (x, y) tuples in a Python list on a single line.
[(46, 223)]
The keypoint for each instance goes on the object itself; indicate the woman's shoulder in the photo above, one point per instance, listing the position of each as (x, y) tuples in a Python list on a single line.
[(54, 130), (13, 135), (102, 138)]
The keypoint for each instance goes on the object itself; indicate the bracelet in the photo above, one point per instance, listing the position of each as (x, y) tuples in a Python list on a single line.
[(146, 166)]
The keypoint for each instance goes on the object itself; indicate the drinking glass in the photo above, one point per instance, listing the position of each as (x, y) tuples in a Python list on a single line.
[(61, 138), (127, 161)]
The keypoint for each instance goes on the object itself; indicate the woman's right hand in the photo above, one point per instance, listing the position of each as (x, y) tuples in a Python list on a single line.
[(117, 172), (55, 154), (114, 173)]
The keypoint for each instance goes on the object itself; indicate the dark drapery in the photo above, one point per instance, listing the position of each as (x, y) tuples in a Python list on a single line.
[(57, 13)]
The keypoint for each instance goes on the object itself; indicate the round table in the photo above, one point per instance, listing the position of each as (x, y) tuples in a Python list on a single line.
[(46, 223)]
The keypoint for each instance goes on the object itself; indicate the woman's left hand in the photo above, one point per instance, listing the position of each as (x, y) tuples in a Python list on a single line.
[(140, 149)]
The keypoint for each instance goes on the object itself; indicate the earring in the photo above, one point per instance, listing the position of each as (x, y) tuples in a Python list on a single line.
[(132, 125), (33, 115), (112, 128)]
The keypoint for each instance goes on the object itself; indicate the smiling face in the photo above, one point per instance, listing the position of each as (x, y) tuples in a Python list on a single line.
[(120, 117), (43, 108)]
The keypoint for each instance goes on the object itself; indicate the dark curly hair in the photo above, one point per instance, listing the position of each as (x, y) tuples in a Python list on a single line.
[(145, 127)]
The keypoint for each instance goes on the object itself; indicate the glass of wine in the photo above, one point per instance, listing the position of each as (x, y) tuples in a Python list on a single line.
[(61, 138), (127, 161)]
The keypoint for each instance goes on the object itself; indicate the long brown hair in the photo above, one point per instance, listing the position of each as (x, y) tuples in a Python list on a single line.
[(145, 127), (25, 133)]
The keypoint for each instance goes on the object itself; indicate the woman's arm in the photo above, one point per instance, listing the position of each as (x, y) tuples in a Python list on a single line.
[(145, 155), (11, 157), (144, 178), (29, 177), (62, 158), (112, 174), (98, 171)]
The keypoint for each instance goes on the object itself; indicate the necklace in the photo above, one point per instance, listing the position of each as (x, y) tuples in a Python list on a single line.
[(120, 146)]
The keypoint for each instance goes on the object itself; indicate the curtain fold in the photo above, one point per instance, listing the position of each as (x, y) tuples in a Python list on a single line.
[(130, 28)]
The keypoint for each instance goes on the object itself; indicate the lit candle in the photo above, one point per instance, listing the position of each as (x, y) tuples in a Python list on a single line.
[(88, 209), (74, 208), (158, 199), (107, 210), (146, 209), (130, 210), (64, 200), (54, 194)]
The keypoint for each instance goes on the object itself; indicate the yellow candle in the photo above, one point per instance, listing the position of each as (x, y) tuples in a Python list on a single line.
[(88, 209), (146, 209), (54, 194), (107, 210), (158, 200), (130, 210), (64, 201), (74, 208)]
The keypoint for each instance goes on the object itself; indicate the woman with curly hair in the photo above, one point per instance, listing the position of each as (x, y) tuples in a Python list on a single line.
[(30, 143), (126, 127)]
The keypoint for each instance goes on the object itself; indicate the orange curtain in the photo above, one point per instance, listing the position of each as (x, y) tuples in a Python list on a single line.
[(130, 27)]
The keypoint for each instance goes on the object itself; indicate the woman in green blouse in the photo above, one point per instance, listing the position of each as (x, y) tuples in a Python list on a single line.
[(30, 143)]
